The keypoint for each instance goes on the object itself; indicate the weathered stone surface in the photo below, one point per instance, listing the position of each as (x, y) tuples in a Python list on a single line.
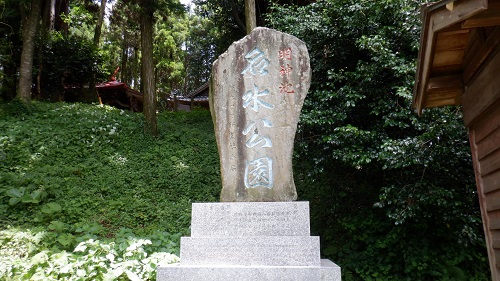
[(254, 250), (328, 271), (250, 219), (257, 90)]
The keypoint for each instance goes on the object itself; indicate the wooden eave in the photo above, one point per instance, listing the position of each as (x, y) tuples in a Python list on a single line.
[(457, 37), (198, 91)]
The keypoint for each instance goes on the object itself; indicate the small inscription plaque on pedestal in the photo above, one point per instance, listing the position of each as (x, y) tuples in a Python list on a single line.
[(247, 219)]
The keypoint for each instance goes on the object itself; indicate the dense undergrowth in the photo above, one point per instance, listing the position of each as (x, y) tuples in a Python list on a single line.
[(84, 195)]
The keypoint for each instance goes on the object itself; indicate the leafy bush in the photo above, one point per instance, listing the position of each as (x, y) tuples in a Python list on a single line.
[(392, 195), (68, 63), (74, 176), (29, 255)]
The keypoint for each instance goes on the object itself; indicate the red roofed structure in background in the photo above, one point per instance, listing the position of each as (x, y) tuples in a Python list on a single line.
[(119, 95)]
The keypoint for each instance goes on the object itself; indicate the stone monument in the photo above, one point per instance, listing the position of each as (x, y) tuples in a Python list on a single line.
[(257, 232), (257, 90)]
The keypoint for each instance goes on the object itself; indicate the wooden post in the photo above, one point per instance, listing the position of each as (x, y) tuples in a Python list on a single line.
[(250, 17)]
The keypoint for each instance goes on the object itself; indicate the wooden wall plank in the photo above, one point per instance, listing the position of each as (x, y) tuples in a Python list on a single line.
[(450, 82), (494, 220), (497, 258), (488, 122), (490, 164), (489, 144), (451, 41), (491, 220), (483, 91), (493, 201), (441, 98), (496, 243), (453, 57), (491, 183)]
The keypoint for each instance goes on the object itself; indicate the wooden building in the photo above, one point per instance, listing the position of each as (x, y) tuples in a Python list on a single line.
[(119, 95), (196, 98), (459, 64)]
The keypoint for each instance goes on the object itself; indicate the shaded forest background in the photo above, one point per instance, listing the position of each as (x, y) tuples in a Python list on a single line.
[(392, 195)]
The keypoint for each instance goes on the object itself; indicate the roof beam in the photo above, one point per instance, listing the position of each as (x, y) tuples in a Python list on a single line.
[(490, 17), (461, 11)]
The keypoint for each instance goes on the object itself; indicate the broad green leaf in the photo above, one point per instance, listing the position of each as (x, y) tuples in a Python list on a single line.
[(37, 195), (27, 198), (51, 208), (14, 201), (57, 226), (15, 193), (65, 239)]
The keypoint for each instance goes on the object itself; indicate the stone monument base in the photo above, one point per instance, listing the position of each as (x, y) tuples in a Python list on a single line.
[(250, 241), (327, 271)]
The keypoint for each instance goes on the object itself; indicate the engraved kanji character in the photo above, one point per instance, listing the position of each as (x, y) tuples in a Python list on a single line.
[(254, 139), (285, 70), (252, 97), (286, 88), (257, 62), (259, 173), (285, 54)]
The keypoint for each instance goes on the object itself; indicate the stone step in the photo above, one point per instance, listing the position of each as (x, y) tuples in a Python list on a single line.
[(250, 251), (250, 219), (327, 271)]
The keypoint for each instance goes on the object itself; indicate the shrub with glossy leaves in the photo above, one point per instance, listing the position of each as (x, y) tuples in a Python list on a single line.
[(392, 195)]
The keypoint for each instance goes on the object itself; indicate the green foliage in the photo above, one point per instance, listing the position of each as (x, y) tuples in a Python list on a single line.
[(201, 50), (227, 22), (103, 180), (95, 163), (10, 48), (393, 195), (36, 257), (68, 62), (170, 35), (14, 108)]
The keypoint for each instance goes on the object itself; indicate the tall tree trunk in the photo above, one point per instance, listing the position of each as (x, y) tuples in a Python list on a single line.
[(250, 18), (125, 56), (98, 27), (30, 24), (234, 11), (147, 69), (52, 14), (61, 7)]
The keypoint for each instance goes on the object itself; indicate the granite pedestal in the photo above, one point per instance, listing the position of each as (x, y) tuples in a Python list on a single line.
[(250, 241)]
